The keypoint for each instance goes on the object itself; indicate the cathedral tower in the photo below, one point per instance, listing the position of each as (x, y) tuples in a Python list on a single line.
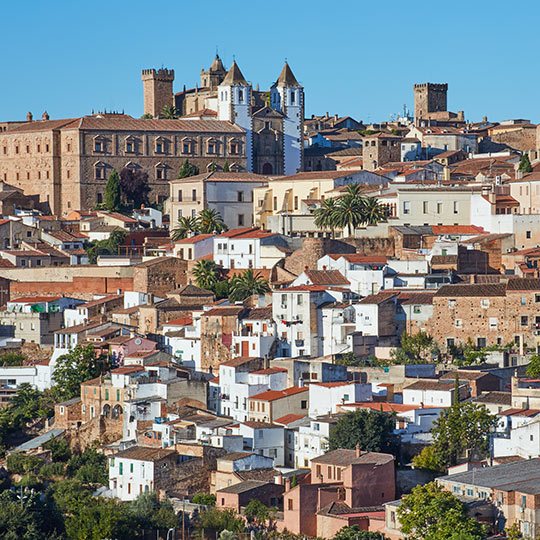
[(214, 75), (234, 105), (157, 90), (287, 96)]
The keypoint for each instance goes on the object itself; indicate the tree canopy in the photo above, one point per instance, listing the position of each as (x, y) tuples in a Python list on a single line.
[(354, 533), (134, 185), (372, 431), (533, 369), (244, 285), (113, 193), (187, 169), (79, 365), (415, 349), (525, 163), (431, 513)]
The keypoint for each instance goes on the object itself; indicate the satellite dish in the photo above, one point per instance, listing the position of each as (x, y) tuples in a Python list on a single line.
[(138, 341)]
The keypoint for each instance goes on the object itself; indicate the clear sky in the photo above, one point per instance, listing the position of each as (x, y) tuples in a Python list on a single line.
[(354, 57)]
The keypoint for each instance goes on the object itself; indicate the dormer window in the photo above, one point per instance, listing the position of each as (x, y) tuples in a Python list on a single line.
[(212, 146), (188, 146)]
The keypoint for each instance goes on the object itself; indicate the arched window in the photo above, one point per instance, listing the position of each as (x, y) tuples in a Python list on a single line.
[(100, 171), (267, 168)]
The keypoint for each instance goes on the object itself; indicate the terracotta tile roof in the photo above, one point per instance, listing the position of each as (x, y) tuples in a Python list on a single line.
[(430, 385), (104, 300), (378, 298), (334, 384), (35, 299), (243, 487), (4, 263), (235, 362), (500, 398), (471, 290), (225, 311), (381, 406), (523, 284), (326, 277), (463, 375), (202, 112), (344, 458), (219, 176), (259, 425), (126, 370), (520, 412), (288, 418), (141, 453), (272, 395), (416, 298), (304, 288), (233, 456), (269, 371), (314, 175), (358, 258), (457, 229), (195, 239), (181, 321)]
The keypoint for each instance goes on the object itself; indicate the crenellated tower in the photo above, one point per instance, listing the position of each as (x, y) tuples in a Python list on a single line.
[(157, 90)]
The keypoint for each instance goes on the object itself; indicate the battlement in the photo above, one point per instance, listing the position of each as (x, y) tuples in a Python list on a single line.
[(162, 74), (438, 87)]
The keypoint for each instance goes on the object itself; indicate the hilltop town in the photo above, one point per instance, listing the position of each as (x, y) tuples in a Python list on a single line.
[(225, 318)]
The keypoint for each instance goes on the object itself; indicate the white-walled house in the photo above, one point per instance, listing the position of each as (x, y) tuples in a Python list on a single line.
[(139, 470), (264, 439), (521, 439), (256, 333), (432, 393), (249, 248), (182, 339), (325, 398), (338, 321), (365, 273), (194, 247), (311, 439), (299, 321)]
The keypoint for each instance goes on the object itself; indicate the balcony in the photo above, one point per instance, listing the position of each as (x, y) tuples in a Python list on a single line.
[(299, 342)]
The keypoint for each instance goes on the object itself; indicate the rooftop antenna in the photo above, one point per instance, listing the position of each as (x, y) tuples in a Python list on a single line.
[(217, 51), (234, 57)]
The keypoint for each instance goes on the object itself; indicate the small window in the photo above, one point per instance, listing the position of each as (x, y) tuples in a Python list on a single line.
[(417, 309), (523, 301), (524, 320), (528, 234), (159, 147), (240, 196), (303, 404), (179, 195), (458, 323), (194, 195), (240, 220), (484, 303), (211, 148), (426, 207), (406, 207)]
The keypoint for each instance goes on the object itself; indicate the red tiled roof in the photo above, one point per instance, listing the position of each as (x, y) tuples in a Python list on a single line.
[(272, 395), (334, 384), (326, 277), (194, 239), (457, 229), (269, 371), (35, 299), (358, 258), (288, 418), (125, 370), (305, 288), (219, 176), (378, 298), (181, 321)]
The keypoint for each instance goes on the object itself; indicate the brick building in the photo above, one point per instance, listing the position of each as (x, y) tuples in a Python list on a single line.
[(67, 162), (379, 149), (487, 314)]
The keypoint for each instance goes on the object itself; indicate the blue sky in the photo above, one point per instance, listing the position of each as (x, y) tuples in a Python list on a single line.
[(355, 57)]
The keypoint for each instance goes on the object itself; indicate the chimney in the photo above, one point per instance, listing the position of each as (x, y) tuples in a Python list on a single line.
[(300, 383), (461, 115), (306, 267), (484, 119), (45, 116), (519, 174), (358, 453), (29, 117)]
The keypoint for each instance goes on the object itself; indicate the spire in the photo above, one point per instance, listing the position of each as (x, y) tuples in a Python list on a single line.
[(217, 64), (286, 77), (234, 77)]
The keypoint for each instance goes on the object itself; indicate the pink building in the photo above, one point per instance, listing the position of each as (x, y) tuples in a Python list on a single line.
[(122, 346), (359, 481)]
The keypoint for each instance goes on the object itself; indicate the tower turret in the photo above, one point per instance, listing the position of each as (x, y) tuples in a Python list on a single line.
[(234, 105), (157, 90), (214, 75), (287, 96)]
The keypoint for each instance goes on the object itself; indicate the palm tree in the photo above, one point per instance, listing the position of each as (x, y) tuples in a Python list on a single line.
[(374, 211), (169, 112), (186, 226), (211, 222), (246, 284), (325, 215), (207, 273), (350, 209)]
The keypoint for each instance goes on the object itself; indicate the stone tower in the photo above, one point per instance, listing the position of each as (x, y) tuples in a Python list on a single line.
[(234, 105), (157, 90), (214, 75), (287, 97), (429, 98)]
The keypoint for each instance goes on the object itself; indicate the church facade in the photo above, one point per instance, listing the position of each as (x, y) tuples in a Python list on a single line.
[(273, 120)]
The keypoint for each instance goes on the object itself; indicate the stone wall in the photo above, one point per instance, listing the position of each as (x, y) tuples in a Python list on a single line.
[(160, 276)]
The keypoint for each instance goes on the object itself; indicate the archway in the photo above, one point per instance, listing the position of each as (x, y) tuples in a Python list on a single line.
[(106, 410), (267, 168), (117, 411)]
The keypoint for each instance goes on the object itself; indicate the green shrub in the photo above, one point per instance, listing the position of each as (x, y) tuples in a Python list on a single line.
[(18, 463)]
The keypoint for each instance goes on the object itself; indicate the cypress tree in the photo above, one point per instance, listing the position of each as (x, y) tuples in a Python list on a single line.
[(226, 166), (113, 192), (525, 164)]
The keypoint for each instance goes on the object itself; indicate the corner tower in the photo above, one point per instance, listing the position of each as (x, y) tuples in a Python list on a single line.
[(287, 96), (234, 105), (157, 90)]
